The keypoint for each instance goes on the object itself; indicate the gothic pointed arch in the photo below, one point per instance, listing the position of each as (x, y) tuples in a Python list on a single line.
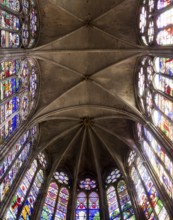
[(87, 204), (118, 199), (56, 202), (24, 199)]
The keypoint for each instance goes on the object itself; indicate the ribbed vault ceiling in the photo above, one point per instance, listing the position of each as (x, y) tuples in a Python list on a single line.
[(87, 53)]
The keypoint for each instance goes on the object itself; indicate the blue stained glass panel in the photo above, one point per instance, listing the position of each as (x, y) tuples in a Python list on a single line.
[(12, 173), (81, 207), (29, 203), (114, 212), (163, 65), (94, 214), (81, 214)]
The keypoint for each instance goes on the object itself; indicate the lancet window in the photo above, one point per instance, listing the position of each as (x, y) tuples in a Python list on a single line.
[(119, 202), (23, 202), (56, 202), (157, 157), (12, 163), (87, 205), (147, 194)]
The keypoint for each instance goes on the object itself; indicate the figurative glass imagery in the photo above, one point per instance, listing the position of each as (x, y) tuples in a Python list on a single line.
[(147, 194), (119, 203), (56, 202), (87, 205), (14, 160), (18, 87), (155, 92), (18, 23), (157, 157), (23, 201)]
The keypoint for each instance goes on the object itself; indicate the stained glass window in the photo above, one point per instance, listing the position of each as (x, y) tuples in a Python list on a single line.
[(148, 196), (18, 87), (155, 92), (82, 206), (14, 160), (87, 205), (23, 202), (19, 197), (114, 175), (155, 24), (62, 204), (143, 199), (42, 159), (125, 202), (158, 158), (49, 205), (18, 23), (94, 211), (131, 158), (114, 211), (12, 4), (56, 202), (119, 202), (87, 184), (61, 177)]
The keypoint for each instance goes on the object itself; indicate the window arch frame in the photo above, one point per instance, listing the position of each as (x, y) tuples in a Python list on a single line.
[(60, 186), (87, 192), (115, 186), (33, 180)]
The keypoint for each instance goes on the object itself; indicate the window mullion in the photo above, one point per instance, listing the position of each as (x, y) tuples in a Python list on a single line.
[(23, 203), (56, 203), (87, 205), (14, 160), (158, 158), (19, 93), (143, 184), (118, 200)]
